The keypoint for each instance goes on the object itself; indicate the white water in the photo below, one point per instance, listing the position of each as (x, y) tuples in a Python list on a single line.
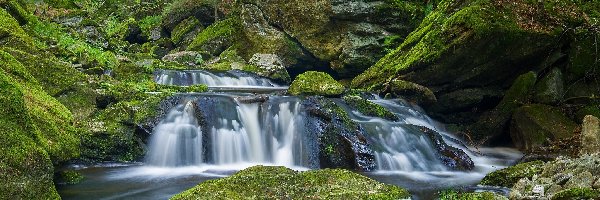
[(177, 140), (195, 77), (259, 133)]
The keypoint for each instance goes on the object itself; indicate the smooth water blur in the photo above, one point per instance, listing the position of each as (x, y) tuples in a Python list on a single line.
[(195, 77)]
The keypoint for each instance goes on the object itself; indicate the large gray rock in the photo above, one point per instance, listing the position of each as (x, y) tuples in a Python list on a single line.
[(269, 65), (590, 135), (550, 89), (348, 35)]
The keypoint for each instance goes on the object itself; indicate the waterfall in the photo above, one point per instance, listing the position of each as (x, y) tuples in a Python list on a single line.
[(237, 133), (177, 140), (240, 129), (223, 79)]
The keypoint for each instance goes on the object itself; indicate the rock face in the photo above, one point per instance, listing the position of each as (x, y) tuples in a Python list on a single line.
[(493, 124), (534, 125), (285, 183), (590, 135), (329, 29), (550, 89), (563, 178), (342, 143), (315, 83)]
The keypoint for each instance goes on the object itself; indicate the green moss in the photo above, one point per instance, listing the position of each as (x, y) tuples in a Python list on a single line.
[(36, 131), (509, 176), (261, 182), (149, 23), (435, 53), (183, 28), (56, 77), (369, 108), (577, 193), (70, 177), (519, 93), (315, 83), (71, 48), (221, 31)]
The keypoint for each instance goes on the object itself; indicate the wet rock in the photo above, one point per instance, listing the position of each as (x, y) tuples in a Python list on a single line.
[(342, 143), (452, 157), (252, 99), (369, 108), (590, 135), (329, 29), (411, 91), (534, 125)]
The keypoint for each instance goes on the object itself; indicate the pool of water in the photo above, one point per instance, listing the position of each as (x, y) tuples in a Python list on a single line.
[(136, 181)]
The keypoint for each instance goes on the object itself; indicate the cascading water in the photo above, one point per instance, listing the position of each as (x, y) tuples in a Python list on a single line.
[(267, 132), (177, 140), (209, 135), (223, 79)]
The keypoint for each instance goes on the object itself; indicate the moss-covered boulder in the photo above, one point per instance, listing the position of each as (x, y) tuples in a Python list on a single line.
[(463, 43), (411, 91), (315, 83), (217, 37), (262, 182), (36, 133), (341, 141), (369, 108), (534, 125), (509, 176)]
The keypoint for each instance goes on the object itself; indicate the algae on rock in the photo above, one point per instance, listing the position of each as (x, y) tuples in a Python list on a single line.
[(315, 83), (282, 182)]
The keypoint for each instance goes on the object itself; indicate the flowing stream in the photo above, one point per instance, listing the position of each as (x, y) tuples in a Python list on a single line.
[(214, 134)]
